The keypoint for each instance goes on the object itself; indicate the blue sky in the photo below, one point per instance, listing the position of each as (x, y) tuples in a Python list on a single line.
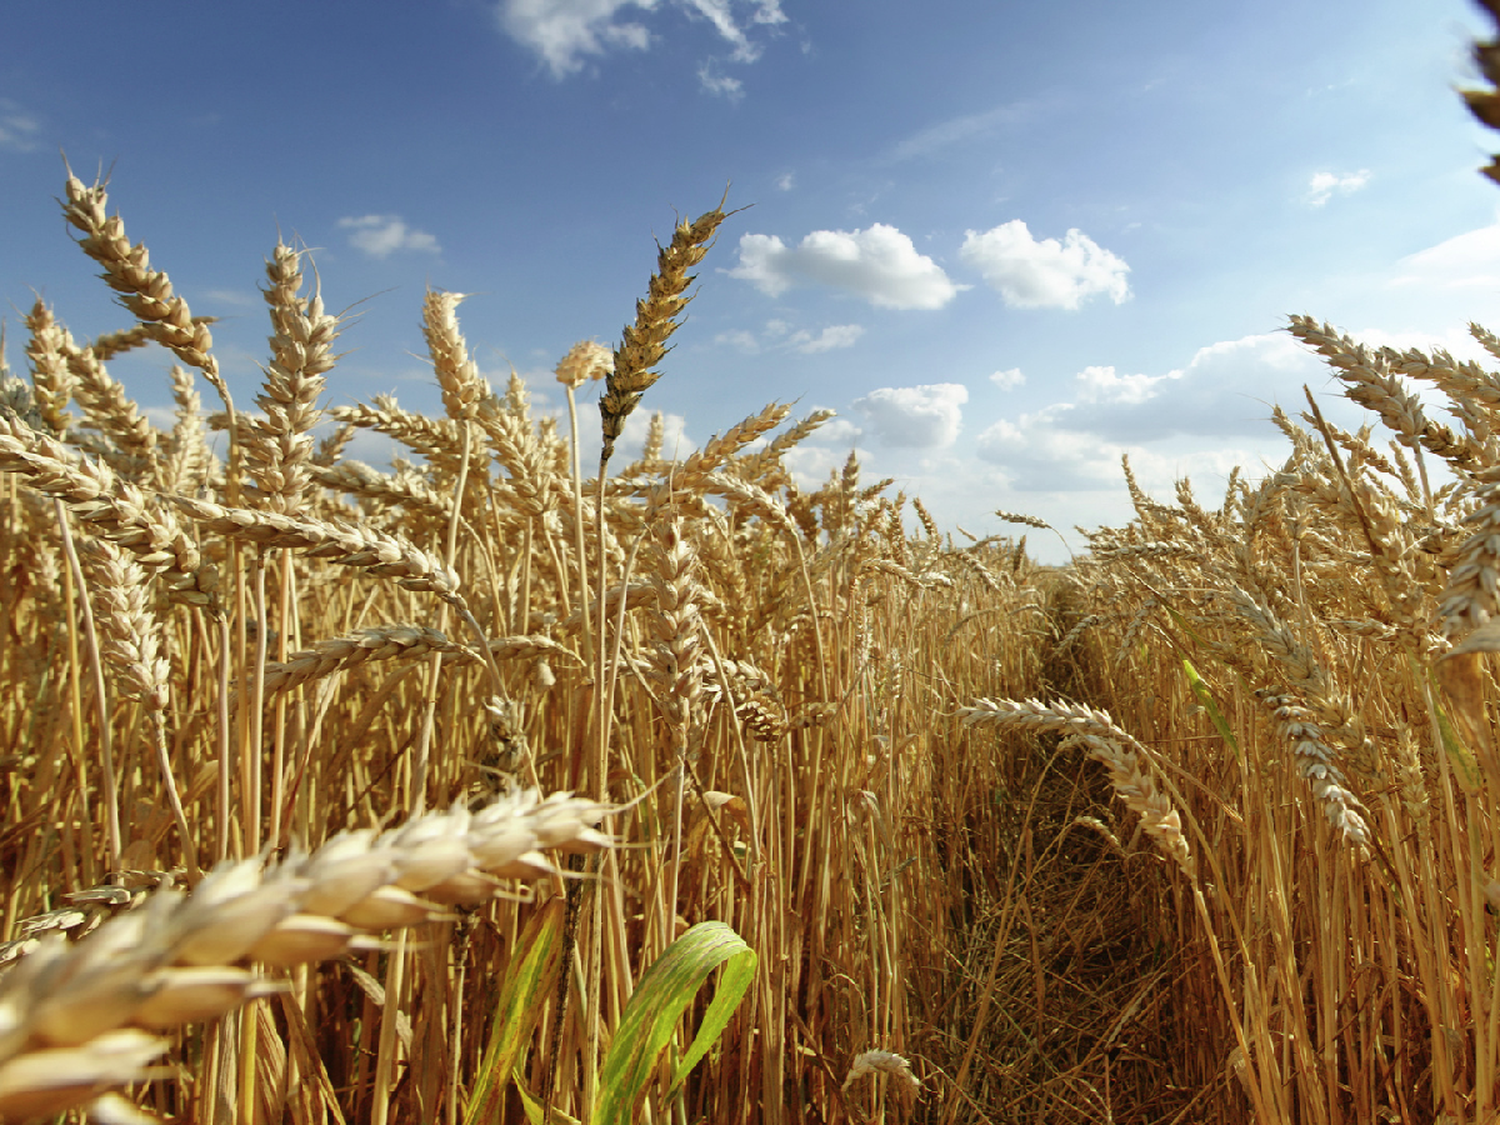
[(1006, 242)]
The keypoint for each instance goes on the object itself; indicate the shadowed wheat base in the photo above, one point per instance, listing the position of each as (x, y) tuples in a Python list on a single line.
[(1259, 887)]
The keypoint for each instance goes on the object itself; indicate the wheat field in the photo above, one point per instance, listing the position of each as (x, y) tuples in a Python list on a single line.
[(490, 785)]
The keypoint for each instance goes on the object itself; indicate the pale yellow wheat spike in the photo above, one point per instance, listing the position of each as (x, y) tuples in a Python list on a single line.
[(145, 292), (279, 447), (437, 439), (644, 343), (78, 1018), (115, 508), (1128, 762), (349, 545), (47, 350), (457, 374)]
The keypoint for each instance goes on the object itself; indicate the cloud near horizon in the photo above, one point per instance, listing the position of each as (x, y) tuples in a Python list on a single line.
[(879, 264), (1222, 397), (1468, 260), (1031, 273)]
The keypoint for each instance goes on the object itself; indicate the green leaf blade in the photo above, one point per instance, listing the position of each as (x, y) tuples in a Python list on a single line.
[(529, 980), (663, 994)]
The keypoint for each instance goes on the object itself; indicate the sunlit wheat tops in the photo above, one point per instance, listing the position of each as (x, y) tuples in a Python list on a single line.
[(127, 270), (645, 342), (279, 448), (457, 374), (116, 509), (585, 361)]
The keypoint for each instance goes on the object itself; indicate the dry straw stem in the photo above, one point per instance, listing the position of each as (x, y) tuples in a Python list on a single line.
[(644, 343), (79, 1018)]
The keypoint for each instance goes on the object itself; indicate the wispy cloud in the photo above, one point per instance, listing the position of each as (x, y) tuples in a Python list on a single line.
[(879, 264), (1323, 185), (923, 417), (1032, 273), (778, 335), (957, 130), (786, 181), (18, 127), (720, 14), (1009, 379), (724, 85), (831, 338), (564, 33), (380, 236)]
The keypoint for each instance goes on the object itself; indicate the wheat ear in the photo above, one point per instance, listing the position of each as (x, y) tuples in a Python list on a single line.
[(644, 343), (80, 1018)]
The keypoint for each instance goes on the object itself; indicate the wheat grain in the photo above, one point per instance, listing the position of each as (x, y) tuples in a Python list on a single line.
[(643, 344), (457, 374), (279, 448), (114, 507), (173, 960), (346, 544)]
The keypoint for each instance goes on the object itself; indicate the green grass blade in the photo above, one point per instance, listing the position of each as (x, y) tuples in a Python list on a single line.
[(529, 981), (663, 994), (536, 1114), (1209, 704)]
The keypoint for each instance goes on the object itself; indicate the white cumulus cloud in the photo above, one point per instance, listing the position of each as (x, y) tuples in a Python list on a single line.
[(382, 235), (1321, 187), (1101, 384), (1467, 260), (879, 264), (925, 417), (1009, 379), (1031, 273), (1217, 403)]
